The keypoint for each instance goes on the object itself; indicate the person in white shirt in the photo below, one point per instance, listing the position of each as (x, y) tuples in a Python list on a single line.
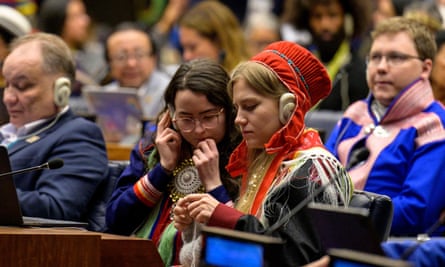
[(132, 58)]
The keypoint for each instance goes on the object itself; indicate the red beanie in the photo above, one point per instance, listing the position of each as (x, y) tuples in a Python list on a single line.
[(301, 72)]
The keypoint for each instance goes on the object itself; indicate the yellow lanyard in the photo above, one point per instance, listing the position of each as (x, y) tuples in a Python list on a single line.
[(340, 58)]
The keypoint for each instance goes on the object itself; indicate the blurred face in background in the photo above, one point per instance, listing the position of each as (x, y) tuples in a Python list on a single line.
[(259, 38), (197, 46), (383, 9), (131, 57), (326, 21), (76, 29)]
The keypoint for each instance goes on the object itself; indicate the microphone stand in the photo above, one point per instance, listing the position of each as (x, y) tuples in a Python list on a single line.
[(43, 166)]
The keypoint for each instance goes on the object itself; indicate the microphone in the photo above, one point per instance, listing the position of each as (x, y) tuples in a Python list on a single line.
[(52, 164)]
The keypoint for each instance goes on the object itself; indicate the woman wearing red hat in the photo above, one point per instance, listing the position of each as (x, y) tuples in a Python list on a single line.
[(280, 161)]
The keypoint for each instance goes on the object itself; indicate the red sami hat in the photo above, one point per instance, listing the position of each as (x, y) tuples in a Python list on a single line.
[(302, 73)]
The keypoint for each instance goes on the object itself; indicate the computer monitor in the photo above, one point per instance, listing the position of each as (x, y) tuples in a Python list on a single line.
[(230, 248)]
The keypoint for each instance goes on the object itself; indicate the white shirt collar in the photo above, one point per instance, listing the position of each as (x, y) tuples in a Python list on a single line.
[(9, 133)]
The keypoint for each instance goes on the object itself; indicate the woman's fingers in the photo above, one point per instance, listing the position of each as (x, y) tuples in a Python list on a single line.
[(200, 207)]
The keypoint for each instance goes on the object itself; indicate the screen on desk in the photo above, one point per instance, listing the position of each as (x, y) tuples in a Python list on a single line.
[(353, 258), (230, 248), (220, 251)]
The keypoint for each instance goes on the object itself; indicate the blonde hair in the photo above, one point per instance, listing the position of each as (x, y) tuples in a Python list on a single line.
[(260, 77), (422, 37), (216, 22)]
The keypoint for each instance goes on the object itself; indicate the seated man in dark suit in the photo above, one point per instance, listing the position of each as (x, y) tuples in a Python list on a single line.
[(38, 74)]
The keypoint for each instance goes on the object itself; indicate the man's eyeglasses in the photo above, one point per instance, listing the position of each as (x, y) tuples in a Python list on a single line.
[(207, 121), (123, 58), (392, 59)]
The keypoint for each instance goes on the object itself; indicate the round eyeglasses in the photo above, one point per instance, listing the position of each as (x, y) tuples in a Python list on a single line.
[(208, 121)]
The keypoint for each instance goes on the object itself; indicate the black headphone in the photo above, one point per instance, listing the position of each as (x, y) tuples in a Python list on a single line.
[(62, 91), (286, 107)]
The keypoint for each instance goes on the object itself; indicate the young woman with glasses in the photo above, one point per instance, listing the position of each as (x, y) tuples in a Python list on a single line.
[(194, 138)]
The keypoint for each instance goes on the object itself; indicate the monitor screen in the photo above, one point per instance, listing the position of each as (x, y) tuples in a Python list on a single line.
[(220, 251)]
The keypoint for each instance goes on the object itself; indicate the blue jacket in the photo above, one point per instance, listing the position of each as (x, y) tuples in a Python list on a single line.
[(406, 155), (63, 193)]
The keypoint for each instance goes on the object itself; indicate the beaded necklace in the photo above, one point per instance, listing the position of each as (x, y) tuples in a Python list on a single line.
[(185, 181)]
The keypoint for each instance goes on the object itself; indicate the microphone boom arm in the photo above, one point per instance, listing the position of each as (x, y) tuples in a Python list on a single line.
[(52, 164)]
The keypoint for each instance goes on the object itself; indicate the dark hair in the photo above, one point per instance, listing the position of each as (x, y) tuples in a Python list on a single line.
[(6, 35), (205, 76), (127, 26), (360, 11), (440, 38), (51, 16)]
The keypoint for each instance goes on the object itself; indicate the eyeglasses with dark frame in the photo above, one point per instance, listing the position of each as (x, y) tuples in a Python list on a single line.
[(392, 59), (207, 121)]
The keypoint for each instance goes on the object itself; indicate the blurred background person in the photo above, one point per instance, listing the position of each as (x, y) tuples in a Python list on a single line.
[(261, 29), (69, 20), (425, 12), (164, 31), (290, 31), (210, 30), (12, 24), (437, 77), (383, 9), (132, 57), (435, 9), (337, 28)]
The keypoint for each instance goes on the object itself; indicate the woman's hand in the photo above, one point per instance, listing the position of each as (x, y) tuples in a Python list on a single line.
[(206, 159), (181, 217), (200, 207), (168, 143)]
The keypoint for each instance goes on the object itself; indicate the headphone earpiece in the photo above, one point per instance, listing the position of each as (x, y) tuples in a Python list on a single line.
[(62, 91), (286, 107)]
